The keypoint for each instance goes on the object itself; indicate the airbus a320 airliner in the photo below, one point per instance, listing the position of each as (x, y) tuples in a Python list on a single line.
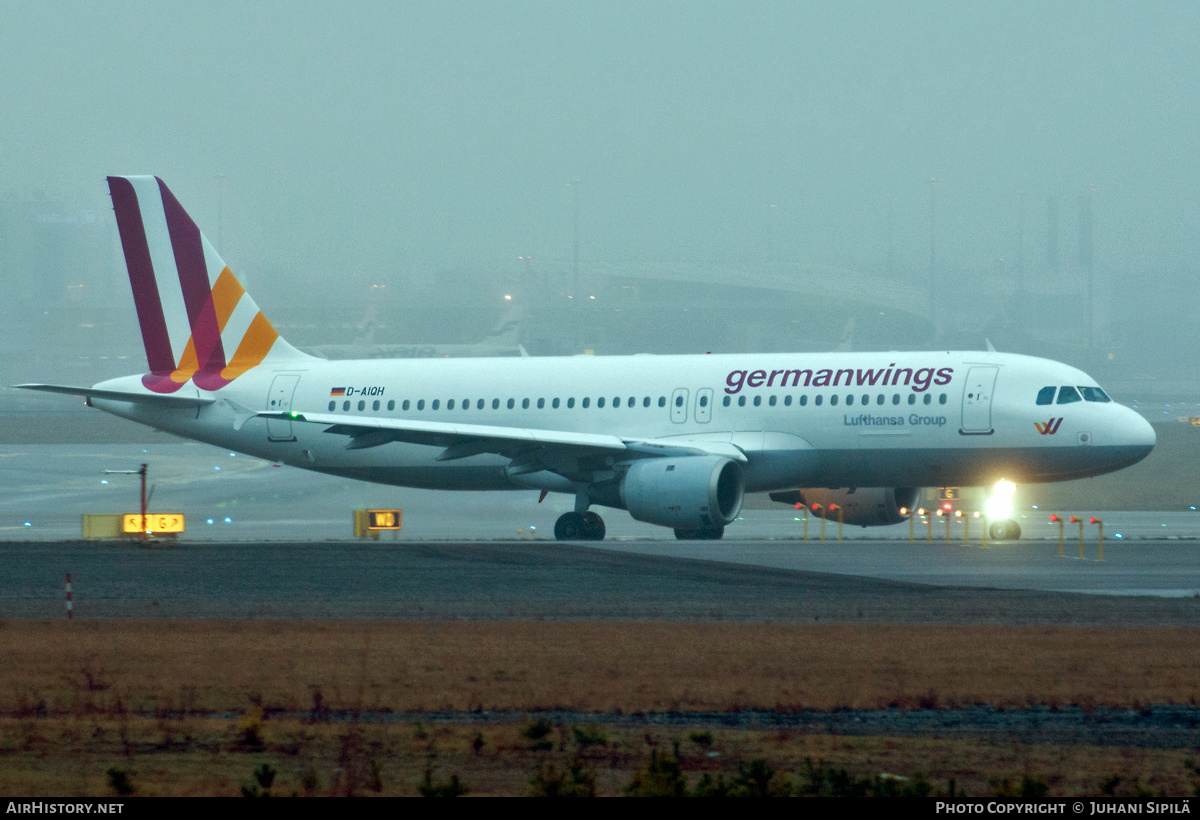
[(675, 440)]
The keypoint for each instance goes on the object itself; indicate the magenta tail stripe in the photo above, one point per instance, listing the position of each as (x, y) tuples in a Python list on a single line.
[(161, 383), (193, 279), (141, 276)]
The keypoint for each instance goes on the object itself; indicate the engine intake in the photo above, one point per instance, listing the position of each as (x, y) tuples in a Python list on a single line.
[(690, 492), (862, 506)]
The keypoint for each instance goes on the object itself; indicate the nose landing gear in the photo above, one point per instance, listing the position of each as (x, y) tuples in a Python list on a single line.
[(1004, 529), (579, 526)]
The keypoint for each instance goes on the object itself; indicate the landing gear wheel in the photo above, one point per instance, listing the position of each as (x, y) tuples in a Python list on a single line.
[(1004, 530), (574, 526), (593, 527), (570, 527), (702, 534)]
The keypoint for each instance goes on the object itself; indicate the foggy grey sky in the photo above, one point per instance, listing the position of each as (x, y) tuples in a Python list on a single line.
[(380, 139)]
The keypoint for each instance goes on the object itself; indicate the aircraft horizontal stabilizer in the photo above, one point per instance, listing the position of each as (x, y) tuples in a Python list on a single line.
[(157, 399)]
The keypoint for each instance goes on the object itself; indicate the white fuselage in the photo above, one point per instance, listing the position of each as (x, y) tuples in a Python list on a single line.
[(802, 420)]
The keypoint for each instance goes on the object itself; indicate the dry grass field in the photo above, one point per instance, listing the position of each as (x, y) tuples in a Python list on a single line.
[(70, 756), (78, 699), (63, 667)]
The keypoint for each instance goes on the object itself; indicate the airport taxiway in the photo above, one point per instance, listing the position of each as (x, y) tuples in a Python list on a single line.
[(231, 499)]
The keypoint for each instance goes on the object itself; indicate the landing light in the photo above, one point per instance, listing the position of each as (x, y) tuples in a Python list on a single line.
[(1000, 505)]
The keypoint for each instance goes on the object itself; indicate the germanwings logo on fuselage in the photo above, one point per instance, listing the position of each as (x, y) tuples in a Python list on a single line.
[(918, 378), (1048, 428)]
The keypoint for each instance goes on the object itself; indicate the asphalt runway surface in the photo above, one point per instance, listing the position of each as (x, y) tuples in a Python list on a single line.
[(275, 542)]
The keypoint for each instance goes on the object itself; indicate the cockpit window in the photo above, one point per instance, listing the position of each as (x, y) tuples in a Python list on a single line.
[(1046, 395), (1094, 394), (1068, 394)]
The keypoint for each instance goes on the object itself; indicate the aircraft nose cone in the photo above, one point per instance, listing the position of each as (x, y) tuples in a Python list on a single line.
[(1134, 432)]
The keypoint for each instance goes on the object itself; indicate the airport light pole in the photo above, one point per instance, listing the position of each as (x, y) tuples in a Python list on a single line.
[(933, 302), (574, 186)]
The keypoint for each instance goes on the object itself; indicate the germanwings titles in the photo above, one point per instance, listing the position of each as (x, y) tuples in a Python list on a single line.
[(674, 440)]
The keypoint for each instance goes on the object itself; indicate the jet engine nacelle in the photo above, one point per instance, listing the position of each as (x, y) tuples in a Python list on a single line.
[(691, 492), (862, 506)]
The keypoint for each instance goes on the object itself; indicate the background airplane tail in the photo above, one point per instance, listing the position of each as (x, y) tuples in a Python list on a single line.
[(198, 323)]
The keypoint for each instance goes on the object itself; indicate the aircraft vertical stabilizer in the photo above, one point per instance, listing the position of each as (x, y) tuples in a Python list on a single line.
[(198, 323)]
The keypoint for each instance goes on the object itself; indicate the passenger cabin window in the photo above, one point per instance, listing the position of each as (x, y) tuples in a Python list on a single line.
[(375, 404), (1094, 394), (570, 402), (404, 406), (554, 404), (599, 402), (817, 400), (449, 405), (479, 404), (1068, 395), (803, 400), (524, 404), (345, 405), (495, 404), (435, 405), (512, 403), (912, 398), (833, 400), (662, 401), (741, 401), (633, 401), (541, 403), (332, 405), (1046, 395), (392, 404), (757, 401), (616, 401), (420, 404), (725, 401), (928, 399), (646, 402)]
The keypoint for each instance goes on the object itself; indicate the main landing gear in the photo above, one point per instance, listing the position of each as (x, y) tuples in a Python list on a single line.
[(579, 526)]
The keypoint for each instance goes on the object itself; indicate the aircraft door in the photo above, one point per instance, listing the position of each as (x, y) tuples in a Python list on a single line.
[(704, 405), (977, 401), (679, 405), (279, 399)]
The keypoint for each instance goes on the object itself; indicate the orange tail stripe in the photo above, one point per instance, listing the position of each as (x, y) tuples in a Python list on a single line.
[(253, 348), (225, 295), (188, 363)]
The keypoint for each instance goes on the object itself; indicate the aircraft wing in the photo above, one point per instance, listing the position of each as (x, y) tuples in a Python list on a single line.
[(531, 449), (160, 399)]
